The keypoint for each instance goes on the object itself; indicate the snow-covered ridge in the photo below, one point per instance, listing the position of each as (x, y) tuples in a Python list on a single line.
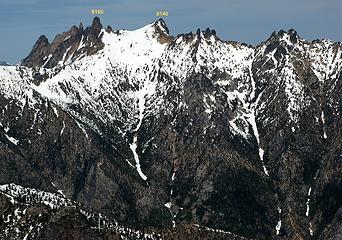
[(131, 60), (30, 196), (23, 198), (221, 231), (133, 48)]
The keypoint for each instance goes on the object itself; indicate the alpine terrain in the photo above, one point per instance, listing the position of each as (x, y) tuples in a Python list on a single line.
[(117, 134)]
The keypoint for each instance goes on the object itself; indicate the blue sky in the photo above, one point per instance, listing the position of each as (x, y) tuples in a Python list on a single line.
[(249, 21)]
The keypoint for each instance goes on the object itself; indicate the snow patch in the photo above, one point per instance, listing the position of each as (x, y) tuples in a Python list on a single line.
[(308, 203), (147, 90), (133, 147), (323, 121), (62, 130), (55, 111), (173, 176), (168, 205), (12, 139), (278, 226), (310, 229), (252, 121), (80, 127)]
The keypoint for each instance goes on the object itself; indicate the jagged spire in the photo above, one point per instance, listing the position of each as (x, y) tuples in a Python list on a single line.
[(42, 40), (208, 33), (65, 45), (293, 36), (96, 25), (161, 25), (81, 27)]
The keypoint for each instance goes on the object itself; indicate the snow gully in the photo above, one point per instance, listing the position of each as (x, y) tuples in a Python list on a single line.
[(133, 146)]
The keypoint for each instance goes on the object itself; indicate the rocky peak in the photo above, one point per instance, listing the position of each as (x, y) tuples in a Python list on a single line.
[(65, 46), (162, 31), (208, 33), (197, 37), (74, 31), (42, 41), (109, 29), (281, 43), (288, 37), (80, 27), (198, 33), (161, 26), (96, 26), (92, 37), (39, 52), (293, 35)]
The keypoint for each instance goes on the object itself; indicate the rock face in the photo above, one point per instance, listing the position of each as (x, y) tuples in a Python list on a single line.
[(66, 47), (143, 135)]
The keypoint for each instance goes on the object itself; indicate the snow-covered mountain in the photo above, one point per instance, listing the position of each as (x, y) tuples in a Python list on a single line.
[(159, 131)]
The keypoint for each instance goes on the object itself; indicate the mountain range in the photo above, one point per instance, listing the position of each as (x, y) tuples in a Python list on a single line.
[(117, 134)]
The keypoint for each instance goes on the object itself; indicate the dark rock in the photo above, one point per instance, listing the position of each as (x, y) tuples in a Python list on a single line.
[(48, 55), (80, 27), (198, 32), (293, 36), (96, 25), (109, 29), (163, 25), (207, 33)]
